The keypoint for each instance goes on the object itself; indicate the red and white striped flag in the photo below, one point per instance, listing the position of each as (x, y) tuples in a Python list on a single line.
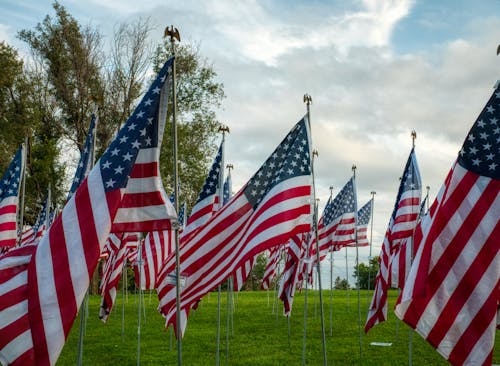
[(111, 273), (364, 215), (156, 247), (209, 197), (51, 284), (297, 247), (452, 293), (9, 198), (241, 273), (272, 265), (401, 225), (272, 207)]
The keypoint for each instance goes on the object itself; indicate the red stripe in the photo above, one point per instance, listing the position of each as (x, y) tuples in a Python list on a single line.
[(205, 210), (454, 247), (465, 287), (145, 170), (134, 200), (8, 226), (8, 209), (14, 329)]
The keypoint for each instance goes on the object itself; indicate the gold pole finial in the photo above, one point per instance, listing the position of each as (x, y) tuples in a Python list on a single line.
[(229, 167), (307, 99), (413, 137), (223, 129), (173, 33), (498, 50), (315, 152)]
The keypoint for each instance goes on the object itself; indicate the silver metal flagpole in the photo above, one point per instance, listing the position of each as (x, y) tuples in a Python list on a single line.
[(139, 265), (222, 129), (348, 292), (304, 338), (308, 100), (331, 277), (23, 187), (373, 193), (410, 330), (173, 33), (357, 261)]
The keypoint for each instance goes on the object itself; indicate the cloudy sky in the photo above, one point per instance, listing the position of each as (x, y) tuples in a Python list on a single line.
[(376, 70)]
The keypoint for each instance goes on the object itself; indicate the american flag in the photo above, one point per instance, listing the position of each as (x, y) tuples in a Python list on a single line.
[(50, 282), (273, 206), (156, 247), (401, 225), (26, 235), (364, 215), (452, 292), (337, 225), (272, 265), (112, 270), (209, 197), (404, 253), (9, 198), (86, 158), (42, 222), (297, 248)]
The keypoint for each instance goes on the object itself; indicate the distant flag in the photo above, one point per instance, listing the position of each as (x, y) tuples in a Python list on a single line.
[(209, 197), (364, 215), (86, 158), (272, 207), (228, 186), (272, 264), (27, 234), (289, 282), (403, 254), (156, 247), (42, 222), (337, 225), (452, 293), (9, 199), (111, 273), (49, 281), (401, 225)]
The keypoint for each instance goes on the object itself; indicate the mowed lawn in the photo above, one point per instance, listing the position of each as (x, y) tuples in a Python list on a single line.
[(258, 334)]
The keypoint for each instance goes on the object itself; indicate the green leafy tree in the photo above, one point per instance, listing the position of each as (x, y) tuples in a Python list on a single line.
[(341, 284), (363, 272)]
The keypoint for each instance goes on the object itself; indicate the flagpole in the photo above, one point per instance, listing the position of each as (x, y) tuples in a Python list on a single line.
[(357, 261), (222, 129), (348, 294), (373, 193), (331, 277), (410, 335), (308, 100), (173, 33), (139, 265), (23, 187), (304, 338)]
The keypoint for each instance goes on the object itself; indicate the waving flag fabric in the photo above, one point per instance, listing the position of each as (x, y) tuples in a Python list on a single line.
[(41, 291), (272, 265), (272, 207), (364, 215), (111, 273), (9, 198), (42, 222), (401, 225), (453, 289), (156, 247), (86, 158), (337, 225), (209, 197)]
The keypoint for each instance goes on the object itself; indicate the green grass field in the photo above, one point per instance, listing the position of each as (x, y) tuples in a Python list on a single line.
[(258, 336)]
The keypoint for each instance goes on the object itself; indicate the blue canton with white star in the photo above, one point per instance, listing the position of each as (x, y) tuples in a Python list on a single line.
[(364, 213), (42, 216), (481, 150), (9, 185), (139, 132), (84, 164), (410, 180), (290, 159), (212, 180), (344, 202)]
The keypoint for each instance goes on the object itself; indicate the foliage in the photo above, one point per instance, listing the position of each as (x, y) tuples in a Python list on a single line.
[(366, 272), (341, 284)]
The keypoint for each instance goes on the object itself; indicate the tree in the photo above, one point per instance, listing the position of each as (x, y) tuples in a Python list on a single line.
[(341, 284), (362, 272)]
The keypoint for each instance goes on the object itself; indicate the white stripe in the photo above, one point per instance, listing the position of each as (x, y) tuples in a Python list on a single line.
[(142, 214), (76, 254), (457, 270), (482, 348), (16, 347), (142, 185), (49, 305), (13, 313), (99, 204), (147, 155)]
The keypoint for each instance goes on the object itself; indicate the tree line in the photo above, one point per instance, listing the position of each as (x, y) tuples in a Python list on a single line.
[(70, 73)]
